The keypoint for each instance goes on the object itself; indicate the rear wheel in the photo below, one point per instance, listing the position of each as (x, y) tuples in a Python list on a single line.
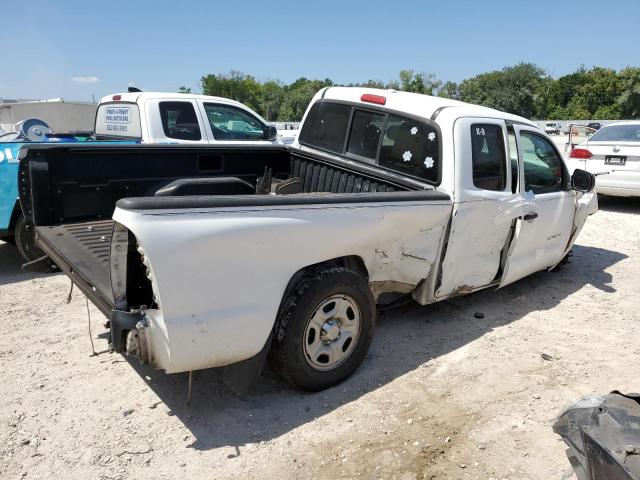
[(324, 328), (25, 238)]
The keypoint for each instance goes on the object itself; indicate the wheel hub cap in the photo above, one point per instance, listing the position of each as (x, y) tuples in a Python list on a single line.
[(332, 332)]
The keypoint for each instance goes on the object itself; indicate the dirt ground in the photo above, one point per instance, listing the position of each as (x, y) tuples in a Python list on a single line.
[(442, 395)]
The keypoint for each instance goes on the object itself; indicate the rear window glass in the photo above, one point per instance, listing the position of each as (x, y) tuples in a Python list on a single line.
[(617, 133), (179, 120), (402, 144), (410, 147), (488, 157), (326, 126), (364, 138)]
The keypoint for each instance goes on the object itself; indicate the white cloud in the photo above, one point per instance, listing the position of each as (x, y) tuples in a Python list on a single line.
[(85, 80)]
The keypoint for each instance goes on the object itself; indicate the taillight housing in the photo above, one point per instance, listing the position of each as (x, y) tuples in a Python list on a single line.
[(581, 153), (116, 97)]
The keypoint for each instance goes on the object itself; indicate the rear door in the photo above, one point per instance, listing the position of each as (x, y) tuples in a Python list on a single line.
[(543, 231)]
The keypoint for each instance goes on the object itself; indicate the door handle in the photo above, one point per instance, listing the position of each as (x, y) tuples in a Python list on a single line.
[(530, 216)]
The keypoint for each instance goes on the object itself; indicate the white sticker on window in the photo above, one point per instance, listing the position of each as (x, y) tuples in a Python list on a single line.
[(406, 156), (428, 162), (414, 130), (431, 136)]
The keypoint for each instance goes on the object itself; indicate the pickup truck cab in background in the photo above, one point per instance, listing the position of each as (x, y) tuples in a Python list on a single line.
[(224, 255), (157, 117)]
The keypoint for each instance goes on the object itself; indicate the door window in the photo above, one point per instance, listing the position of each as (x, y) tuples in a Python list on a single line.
[(543, 171), (231, 123), (488, 157), (179, 120)]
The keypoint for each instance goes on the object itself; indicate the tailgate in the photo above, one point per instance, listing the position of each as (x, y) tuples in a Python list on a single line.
[(81, 250)]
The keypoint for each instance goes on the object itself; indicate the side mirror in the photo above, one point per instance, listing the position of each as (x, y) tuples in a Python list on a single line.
[(582, 181), (271, 132)]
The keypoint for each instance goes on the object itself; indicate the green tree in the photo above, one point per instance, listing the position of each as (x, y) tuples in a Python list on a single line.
[(512, 89), (184, 90), (601, 89), (297, 97), (449, 90), (271, 98), (234, 85), (629, 99), (425, 83)]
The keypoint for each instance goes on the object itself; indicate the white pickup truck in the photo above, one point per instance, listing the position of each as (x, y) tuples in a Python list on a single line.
[(159, 117), (219, 256)]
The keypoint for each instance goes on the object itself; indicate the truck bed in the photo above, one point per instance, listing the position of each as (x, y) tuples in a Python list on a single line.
[(68, 194), (81, 250)]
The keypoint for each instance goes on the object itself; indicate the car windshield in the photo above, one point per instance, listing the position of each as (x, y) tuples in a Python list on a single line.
[(617, 133)]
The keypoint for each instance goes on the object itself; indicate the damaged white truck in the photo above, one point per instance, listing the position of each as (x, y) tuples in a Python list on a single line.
[(222, 256)]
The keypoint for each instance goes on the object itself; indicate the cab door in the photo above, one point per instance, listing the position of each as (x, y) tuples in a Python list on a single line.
[(543, 232), (485, 207)]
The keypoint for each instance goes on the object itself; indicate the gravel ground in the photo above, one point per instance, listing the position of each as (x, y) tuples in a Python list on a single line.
[(442, 395)]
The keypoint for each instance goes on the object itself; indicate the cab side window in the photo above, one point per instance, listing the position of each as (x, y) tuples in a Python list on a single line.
[(230, 123), (488, 157), (179, 120), (543, 172)]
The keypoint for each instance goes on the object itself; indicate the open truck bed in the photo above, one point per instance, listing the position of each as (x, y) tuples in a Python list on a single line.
[(69, 192)]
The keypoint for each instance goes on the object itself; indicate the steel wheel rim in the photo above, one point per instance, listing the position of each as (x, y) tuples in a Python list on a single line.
[(332, 332)]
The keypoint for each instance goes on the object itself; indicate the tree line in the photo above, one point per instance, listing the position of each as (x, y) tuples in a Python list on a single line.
[(524, 89)]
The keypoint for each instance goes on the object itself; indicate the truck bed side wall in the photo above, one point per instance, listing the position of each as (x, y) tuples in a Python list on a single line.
[(219, 274)]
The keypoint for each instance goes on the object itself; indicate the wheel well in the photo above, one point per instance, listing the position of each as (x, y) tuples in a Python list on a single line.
[(352, 262)]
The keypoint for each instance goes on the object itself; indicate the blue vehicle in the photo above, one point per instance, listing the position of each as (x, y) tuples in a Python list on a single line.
[(10, 214), (13, 228)]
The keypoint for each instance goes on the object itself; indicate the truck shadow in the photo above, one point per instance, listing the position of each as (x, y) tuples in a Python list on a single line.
[(406, 339), (11, 265), (619, 204)]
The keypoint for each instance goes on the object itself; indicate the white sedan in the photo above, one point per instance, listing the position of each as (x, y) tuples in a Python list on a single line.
[(613, 155)]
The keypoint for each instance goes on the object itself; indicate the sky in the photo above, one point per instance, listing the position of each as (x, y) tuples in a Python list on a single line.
[(79, 50)]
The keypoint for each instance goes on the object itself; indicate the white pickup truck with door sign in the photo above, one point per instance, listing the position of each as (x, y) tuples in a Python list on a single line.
[(161, 117), (225, 256)]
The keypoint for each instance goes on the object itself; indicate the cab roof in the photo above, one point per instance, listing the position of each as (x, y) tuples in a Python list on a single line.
[(417, 103), (135, 97)]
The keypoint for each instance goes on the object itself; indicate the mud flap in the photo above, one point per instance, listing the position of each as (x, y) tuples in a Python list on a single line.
[(240, 376)]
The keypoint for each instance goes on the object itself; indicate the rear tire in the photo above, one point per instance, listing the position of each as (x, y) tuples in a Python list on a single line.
[(25, 238), (324, 329)]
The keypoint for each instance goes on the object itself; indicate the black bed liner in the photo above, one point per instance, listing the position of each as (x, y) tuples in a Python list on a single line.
[(81, 250)]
